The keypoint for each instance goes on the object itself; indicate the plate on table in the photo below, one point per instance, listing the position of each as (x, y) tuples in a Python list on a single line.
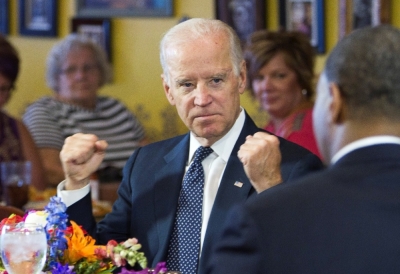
[(100, 208)]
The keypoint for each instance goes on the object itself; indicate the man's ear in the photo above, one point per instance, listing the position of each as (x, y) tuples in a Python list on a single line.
[(242, 77), (337, 107), (167, 90)]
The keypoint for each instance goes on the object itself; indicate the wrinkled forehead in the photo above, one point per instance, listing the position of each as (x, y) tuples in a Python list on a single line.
[(194, 45), (200, 53)]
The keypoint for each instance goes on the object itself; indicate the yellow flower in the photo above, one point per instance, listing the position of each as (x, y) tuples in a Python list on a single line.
[(80, 246)]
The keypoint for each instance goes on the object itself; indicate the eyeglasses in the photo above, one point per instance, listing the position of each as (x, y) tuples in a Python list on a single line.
[(86, 68)]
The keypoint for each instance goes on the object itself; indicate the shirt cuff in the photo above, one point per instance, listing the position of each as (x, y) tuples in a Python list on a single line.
[(70, 197)]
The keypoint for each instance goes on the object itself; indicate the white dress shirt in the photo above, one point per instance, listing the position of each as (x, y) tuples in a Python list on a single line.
[(214, 166), (364, 142)]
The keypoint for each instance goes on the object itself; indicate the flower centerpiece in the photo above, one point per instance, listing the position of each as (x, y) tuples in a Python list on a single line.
[(70, 250)]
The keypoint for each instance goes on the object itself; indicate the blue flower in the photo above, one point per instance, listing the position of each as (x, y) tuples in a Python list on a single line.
[(55, 227), (56, 206), (62, 269)]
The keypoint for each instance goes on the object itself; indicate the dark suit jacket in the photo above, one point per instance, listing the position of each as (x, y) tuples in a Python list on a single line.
[(149, 192), (345, 219)]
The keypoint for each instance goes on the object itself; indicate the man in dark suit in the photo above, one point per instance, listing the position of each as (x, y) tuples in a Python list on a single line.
[(204, 75), (345, 219)]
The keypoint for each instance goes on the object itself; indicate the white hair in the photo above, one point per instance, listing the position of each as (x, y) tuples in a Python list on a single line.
[(197, 28)]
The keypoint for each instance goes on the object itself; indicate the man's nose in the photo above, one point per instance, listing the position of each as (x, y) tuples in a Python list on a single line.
[(202, 95)]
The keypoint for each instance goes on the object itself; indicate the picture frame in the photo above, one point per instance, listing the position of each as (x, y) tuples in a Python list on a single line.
[(244, 16), (124, 8), (38, 17), (99, 29), (306, 16), (354, 14), (4, 17)]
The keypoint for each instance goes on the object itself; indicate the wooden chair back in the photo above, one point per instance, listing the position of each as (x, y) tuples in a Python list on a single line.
[(6, 211)]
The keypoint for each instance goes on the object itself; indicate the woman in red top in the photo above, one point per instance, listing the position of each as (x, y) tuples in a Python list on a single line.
[(281, 73)]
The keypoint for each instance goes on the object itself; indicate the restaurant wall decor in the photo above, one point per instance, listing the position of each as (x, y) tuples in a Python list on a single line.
[(38, 17), (121, 8), (4, 17), (99, 29), (354, 14), (244, 16), (306, 16)]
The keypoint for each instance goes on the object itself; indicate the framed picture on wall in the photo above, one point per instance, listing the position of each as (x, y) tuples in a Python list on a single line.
[(38, 17), (306, 16), (354, 14), (112, 8), (244, 16), (4, 17), (98, 29)]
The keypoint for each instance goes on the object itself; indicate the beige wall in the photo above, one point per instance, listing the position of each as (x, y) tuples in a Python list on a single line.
[(135, 59)]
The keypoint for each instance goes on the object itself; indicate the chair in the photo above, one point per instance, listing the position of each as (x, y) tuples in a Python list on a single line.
[(6, 211), (109, 191)]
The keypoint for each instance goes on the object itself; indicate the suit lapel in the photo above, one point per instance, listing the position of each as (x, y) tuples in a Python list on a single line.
[(229, 193), (166, 192)]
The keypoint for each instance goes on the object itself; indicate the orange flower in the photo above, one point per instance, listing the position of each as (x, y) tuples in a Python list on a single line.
[(80, 246)]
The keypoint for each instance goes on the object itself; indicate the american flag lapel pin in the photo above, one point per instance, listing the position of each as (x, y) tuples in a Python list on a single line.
[(238, 184)]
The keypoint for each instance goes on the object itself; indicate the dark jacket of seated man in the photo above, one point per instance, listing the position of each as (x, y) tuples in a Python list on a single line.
[(149, 192)]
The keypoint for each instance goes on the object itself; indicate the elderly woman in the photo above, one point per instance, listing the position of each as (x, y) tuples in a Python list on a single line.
[(76, 69), (16, 144), (280, 72)]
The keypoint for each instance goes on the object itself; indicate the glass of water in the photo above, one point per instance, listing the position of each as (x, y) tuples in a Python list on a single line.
[(15, 180), (23, 248)]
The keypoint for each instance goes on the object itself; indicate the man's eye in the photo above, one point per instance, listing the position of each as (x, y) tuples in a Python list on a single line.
[(216, 80), (186, 85)]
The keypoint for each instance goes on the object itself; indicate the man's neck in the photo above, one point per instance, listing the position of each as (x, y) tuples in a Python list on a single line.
[(351, 131), (209, 141)]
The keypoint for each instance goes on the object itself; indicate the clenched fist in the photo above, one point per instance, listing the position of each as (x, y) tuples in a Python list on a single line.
[(261, 158), (81, 156)]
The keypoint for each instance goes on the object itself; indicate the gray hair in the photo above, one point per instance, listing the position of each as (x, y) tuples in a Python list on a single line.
[(197, 28), (366, 65), (60, 51)]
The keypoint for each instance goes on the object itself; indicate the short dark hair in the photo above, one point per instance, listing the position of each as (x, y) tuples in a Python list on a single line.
[(9, 60), (299, 55), (366, 67)]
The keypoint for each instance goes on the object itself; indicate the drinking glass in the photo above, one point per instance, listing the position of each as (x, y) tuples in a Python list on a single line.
[(23, 248), (15, 180)]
